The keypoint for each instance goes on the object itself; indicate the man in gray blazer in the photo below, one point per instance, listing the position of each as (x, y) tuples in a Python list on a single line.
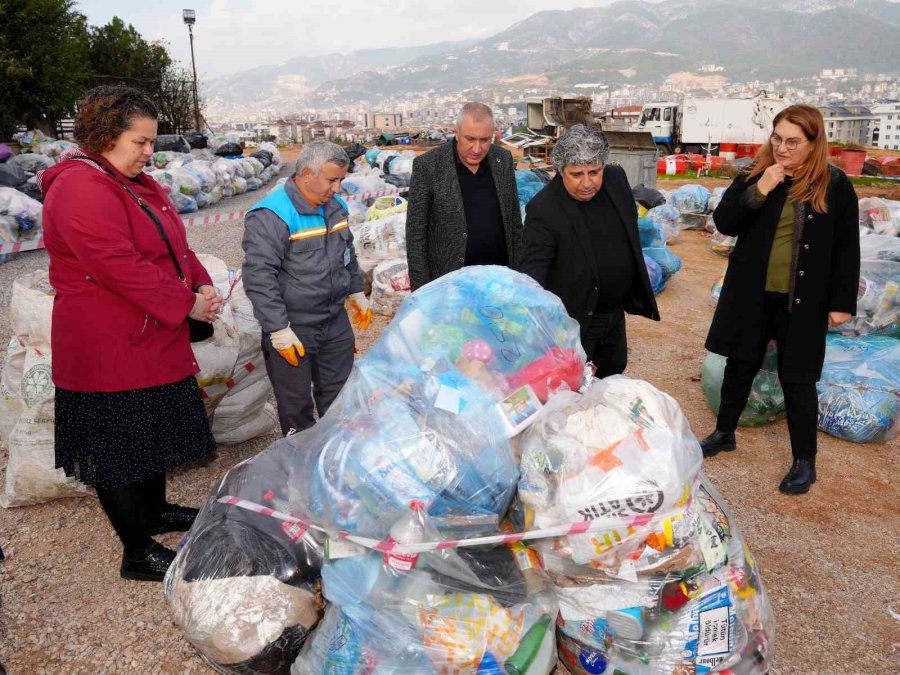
[(463, 204)]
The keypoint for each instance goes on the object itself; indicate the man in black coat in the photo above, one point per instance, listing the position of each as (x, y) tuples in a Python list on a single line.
[(582, 243), (463, 203)]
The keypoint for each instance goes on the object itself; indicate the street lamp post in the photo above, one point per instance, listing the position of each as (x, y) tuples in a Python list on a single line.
[(190, 17)]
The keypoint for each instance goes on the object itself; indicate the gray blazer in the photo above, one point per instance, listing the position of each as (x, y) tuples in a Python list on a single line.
[(436, 216)]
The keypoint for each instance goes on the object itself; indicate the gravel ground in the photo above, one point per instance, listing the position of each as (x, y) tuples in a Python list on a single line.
[(829, 559)]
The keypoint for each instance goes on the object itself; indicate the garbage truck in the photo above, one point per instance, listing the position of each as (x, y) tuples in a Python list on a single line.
[(704, 125)]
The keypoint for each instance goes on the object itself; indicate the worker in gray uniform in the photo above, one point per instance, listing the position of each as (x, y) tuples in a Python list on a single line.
[(299, 269)]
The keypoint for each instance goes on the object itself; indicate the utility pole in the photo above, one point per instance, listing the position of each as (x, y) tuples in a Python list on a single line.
[(190, 17)]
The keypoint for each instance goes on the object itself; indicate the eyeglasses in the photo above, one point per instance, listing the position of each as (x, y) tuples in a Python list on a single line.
[(790, 144)]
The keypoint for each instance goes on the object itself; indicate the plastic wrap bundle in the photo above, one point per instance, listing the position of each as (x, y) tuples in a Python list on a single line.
[(722, 244), (382, 235), (244, 587), (663, 583), (20, 218), (666, 217), (878, 297), (858, 390), (465, 610), (692, 202), (390, 285), (766, 402), (244, 411), (27, 399), (880, 215)]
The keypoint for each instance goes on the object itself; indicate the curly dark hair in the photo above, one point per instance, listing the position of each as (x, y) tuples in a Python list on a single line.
[(106, 112)]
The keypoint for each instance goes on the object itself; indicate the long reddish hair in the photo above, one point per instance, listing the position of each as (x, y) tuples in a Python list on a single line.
[(810, 180)]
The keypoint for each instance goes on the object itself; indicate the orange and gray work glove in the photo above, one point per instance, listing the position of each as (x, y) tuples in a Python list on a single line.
[(360, 311), (288, 345)]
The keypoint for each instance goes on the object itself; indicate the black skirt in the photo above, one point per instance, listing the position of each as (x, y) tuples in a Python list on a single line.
[(113, 439)]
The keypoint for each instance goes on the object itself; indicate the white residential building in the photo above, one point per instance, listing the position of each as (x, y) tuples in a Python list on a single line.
[(848, 124), (887, 122)]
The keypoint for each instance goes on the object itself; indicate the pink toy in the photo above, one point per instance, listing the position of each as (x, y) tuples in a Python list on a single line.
[(478, 350)]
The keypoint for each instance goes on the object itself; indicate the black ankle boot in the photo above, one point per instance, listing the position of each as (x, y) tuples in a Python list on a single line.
[(718, 441), (172, 518), (800, 477), (151, 567)]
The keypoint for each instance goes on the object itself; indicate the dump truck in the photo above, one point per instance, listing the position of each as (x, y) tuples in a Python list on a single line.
[(703, 125)]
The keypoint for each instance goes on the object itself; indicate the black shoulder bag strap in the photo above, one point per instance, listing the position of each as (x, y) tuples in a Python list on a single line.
[(200, 330)]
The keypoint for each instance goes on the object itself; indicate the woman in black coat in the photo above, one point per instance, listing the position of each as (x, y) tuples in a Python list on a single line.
[(794, 272)]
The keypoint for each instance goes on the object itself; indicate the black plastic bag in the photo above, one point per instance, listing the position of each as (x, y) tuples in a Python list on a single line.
[(264, 156), (196, 139), (12, 175), (647, 197), (171, 143), (228, 149)]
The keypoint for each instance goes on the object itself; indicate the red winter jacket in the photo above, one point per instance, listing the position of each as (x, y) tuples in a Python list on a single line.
[(120, 312)]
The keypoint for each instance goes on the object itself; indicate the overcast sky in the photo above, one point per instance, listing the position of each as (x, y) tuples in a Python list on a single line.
[(234, 35)]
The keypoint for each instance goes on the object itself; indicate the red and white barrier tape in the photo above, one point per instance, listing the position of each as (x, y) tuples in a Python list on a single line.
[(390, 546), (214, 218), (23, 245)]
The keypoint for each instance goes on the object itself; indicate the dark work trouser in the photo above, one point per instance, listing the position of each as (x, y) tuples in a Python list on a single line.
[(316, 382), (801, 400), (605, 342)]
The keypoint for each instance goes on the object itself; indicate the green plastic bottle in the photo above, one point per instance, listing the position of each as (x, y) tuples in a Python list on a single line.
[(521, 660)]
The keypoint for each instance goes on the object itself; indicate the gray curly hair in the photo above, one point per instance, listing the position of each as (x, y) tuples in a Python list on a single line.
[(580, 144)]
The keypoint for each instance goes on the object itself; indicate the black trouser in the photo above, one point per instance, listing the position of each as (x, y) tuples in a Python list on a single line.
[(130, 507), (605, 343), (801, 399), (318, 379)]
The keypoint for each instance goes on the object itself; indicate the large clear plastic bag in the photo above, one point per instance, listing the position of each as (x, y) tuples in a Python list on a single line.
[(858, 390), (464, 610), (382, 235), (692, 202), (766, 401), (667, 217), (634, 595), (245, 587), (658, 280), (880, 215), (722, 244), (27, 212), (877, 300), (653, 244), (390, 285)]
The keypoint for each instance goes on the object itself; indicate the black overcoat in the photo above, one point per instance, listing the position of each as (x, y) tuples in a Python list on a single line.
[(824, 273), (558, 248)]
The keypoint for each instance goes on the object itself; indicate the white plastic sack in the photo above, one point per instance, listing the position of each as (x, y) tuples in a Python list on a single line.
[(390, 285)]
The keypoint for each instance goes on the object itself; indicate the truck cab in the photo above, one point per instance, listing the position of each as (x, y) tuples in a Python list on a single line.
[(660, 120)]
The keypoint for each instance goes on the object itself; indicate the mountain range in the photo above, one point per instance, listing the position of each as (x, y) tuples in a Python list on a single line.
[(627, 41)]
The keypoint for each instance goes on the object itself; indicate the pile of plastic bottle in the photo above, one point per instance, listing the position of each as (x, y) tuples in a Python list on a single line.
[(416, 445), (664, 583), (199, 179)]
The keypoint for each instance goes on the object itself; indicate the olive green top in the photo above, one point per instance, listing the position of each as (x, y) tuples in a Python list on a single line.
[(778, 276)]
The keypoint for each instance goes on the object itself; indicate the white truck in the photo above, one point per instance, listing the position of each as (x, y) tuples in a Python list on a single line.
[(701, 125)]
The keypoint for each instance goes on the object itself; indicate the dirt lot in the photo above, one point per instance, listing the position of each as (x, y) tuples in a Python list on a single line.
[(829, 559)]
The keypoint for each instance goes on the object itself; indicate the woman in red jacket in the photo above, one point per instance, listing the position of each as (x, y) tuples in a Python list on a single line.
[(127, 404)]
